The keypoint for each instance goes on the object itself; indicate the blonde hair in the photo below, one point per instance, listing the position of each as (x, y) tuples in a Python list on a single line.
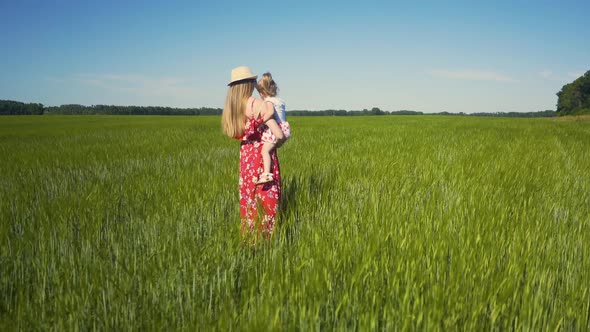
[(233, 119), (267, 85)]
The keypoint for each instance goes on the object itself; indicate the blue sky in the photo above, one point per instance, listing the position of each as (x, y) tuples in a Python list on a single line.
[(430, 56)]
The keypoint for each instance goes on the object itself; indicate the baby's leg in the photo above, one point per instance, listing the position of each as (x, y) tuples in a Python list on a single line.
[(266, 149)]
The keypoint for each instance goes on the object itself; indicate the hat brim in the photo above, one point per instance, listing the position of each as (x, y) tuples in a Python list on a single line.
[(247, 78)]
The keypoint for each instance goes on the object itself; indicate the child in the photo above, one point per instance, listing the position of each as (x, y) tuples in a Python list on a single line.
[(267, 88)]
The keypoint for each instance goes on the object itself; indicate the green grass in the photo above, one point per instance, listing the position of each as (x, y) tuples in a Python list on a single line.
[(388, 223)]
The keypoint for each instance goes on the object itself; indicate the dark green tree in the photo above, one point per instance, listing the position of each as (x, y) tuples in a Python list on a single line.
[(10, 107), (377, 111), (574, 98)]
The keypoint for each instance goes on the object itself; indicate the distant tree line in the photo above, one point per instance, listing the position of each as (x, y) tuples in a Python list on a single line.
[(74, 109), (377, 111), (541, 114), (574, 98), (9, 107), (373, 111)]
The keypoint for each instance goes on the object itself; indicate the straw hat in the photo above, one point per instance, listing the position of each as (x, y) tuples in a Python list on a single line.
[(241, 73)]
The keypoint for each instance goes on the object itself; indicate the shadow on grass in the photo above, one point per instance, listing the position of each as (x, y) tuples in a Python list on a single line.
[(298, 195)]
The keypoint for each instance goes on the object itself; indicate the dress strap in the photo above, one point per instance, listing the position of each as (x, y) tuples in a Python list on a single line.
[(258, 116), (251, 101)]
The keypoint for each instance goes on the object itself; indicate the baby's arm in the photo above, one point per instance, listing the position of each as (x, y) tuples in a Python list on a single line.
[(268, 112)]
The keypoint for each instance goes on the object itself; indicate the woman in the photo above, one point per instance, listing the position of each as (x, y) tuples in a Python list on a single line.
[(245, 118)]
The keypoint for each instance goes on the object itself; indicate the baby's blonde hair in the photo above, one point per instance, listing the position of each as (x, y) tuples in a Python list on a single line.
[(267, 85), (233, 118)]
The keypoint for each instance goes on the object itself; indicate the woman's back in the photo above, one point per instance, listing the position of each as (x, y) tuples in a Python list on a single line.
[(253, 130)]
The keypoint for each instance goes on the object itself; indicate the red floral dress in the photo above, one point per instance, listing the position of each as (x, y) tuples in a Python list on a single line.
[(252, 195)]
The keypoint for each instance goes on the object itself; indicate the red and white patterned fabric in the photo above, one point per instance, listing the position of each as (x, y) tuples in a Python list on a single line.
[(252, 195), (268, 136)]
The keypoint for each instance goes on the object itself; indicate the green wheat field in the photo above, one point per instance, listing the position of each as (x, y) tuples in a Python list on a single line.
[(388, 223)]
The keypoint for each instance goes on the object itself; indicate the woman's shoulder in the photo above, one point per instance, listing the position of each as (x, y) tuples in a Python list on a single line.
[(251, 105), (257, 102), (256, 107)]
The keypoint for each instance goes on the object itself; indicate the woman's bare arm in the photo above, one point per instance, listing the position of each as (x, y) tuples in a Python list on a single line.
[(267, 113)]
